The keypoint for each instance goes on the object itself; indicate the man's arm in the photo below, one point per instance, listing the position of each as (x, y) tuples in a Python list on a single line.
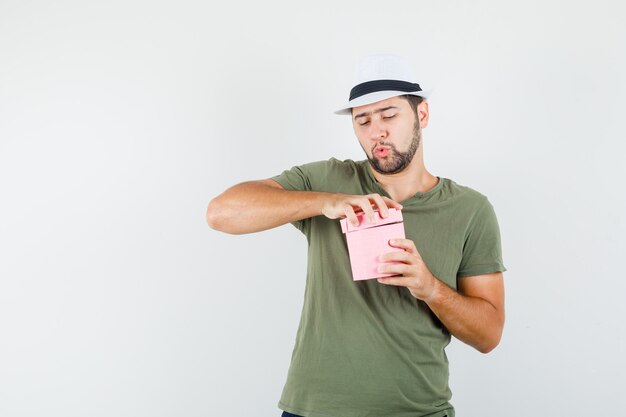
[(474, 314), (263, 204)]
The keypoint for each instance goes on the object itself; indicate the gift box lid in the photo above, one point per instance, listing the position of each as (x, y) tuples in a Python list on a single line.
[(395, 216)]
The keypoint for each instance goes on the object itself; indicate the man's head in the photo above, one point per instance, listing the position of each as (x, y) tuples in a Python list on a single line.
[(388, 112), (390, 131)]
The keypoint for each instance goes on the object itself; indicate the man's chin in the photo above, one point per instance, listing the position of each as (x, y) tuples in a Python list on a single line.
[(386, 168)]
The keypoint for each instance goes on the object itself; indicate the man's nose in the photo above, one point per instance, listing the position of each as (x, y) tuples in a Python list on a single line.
[(377, 131)]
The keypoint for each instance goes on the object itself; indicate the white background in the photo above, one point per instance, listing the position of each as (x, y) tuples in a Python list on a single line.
[(120, 120)]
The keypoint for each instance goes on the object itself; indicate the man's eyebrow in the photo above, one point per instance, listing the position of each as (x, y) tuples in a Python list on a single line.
[(375, 111)]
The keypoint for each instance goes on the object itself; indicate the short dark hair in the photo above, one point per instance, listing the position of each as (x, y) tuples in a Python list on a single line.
[(414, 101)]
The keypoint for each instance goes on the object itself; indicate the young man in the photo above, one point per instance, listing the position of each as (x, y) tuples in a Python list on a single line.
[(376, 347)]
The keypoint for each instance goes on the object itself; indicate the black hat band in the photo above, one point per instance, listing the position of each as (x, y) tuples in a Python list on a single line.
[(383, 85)]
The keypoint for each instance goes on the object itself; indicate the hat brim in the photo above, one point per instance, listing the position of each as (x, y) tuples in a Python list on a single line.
[(377, 96)]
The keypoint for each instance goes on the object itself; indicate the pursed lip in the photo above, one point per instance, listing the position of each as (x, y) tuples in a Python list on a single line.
[(380, 148)]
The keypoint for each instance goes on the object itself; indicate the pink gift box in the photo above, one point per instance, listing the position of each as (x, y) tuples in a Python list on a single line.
[(367, 241)]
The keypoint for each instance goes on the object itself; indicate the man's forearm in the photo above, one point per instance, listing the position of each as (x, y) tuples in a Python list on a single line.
[(472, 320), (254, 206)]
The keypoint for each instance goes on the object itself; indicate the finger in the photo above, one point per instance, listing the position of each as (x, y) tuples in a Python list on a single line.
[(351, 215), (397, 281), (394, 268), (398, 256), (392, 203), (366, 206), (380, 203), (405, 244)]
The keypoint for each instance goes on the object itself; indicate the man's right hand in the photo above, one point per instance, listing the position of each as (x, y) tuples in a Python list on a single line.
[(345, 205)]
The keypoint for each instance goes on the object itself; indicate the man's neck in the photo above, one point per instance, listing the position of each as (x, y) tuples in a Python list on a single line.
[(405, 184)]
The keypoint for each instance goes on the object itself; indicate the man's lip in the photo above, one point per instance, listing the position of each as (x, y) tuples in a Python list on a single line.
[(381, 151)]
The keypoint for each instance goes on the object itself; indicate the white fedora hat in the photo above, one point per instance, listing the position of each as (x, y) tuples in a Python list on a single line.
[(379, 77)]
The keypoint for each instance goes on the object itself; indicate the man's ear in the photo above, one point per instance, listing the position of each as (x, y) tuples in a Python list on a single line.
[(422, 113)]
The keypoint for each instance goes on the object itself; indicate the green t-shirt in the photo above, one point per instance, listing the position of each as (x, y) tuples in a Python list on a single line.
[(368, 349)]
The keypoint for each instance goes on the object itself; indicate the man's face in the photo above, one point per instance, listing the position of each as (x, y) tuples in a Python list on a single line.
[(388, 132)]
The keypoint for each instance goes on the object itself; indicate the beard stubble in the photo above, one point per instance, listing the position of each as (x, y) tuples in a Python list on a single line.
[(396, 161)]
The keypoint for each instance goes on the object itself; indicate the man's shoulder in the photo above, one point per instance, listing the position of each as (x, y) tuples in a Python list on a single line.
[(333, 165), (466, 194)]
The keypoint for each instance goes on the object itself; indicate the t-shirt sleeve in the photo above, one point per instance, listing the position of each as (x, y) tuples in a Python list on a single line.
[(482, 251), (297, 178)]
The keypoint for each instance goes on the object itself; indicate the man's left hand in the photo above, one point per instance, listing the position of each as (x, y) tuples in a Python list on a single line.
[(415, 275)]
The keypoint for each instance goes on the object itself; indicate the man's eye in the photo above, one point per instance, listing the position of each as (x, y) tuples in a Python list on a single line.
[(389, 117), (364, 123)]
